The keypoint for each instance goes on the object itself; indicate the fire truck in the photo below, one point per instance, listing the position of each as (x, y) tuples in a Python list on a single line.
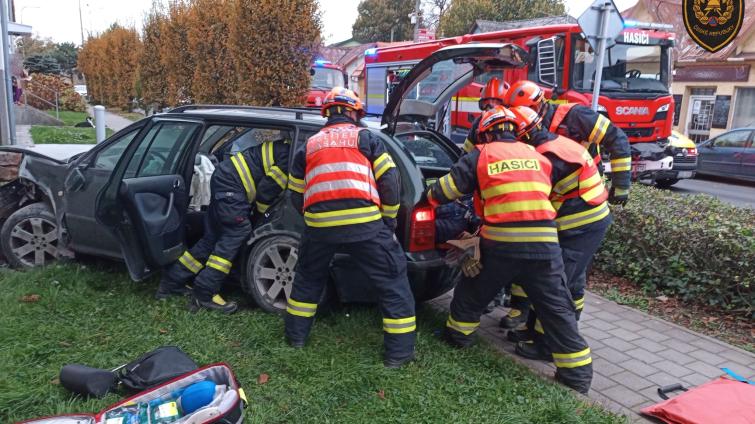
[(634, 92), (325, 75)]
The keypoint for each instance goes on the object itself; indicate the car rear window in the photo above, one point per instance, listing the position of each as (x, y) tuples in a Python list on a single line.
[(427, 150)]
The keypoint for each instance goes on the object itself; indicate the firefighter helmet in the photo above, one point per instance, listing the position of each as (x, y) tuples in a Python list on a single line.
[(525, 93), (526, 119), (497, 119), (494, 90), (342, 98)]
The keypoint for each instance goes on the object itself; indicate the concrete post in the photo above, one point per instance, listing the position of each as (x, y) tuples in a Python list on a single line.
[(99, 122)]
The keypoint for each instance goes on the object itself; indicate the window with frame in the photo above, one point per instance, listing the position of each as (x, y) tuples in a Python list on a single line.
[(161, 150), (733, 139), (108, 157)]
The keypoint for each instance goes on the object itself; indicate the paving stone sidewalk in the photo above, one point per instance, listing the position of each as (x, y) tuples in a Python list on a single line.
[(633, 353)]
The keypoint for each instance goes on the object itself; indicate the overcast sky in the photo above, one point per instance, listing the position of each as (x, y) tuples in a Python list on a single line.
[(59, 19)]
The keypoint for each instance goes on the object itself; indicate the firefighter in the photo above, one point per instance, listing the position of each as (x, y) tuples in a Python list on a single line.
[(589, 128), (583, 216), (491, 96), (347, 185), (255, 176), (511, 183)]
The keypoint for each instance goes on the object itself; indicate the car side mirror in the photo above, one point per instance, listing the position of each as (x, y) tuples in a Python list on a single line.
[(75, 180)]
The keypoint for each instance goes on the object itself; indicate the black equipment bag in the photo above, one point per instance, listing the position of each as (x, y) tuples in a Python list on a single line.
[(150, 370)]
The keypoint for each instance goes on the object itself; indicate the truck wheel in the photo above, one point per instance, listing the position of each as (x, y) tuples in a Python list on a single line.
[(666, 183), (29, 237), (270, 270)]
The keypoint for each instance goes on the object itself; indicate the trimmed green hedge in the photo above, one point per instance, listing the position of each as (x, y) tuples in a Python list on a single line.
[(692, 246)]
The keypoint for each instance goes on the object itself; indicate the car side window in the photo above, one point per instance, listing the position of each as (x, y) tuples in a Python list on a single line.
[(108, 157), (159, 152), (732, 139)]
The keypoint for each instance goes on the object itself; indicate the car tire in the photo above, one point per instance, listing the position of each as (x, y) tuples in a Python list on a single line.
[(29, 237), (269, 272), (666, 183)]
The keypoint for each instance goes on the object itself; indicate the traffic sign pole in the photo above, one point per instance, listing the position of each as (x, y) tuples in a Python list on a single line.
[(605, 13)]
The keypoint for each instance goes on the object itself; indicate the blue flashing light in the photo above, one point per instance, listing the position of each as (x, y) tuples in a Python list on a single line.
[(321, 62), (631, 24), (371, 51)]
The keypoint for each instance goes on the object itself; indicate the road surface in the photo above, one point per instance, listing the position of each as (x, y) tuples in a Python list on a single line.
[(733, 192)]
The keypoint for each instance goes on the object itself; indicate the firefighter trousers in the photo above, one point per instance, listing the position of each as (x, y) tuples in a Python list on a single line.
[(544, 282), (578, 251), (382, 260), (226, 228)]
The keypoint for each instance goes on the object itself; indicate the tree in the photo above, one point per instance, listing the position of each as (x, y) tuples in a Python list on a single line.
[(377, 17), (433, 12), (461, 15), (152, 72), (29, 45), (273, 43), (175, 56), (66, 54), (42, 64), (208, 31)]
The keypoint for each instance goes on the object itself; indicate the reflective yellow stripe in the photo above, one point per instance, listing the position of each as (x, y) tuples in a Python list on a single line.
[(623, 168), (468, 146), (190, 263), (342, 217), (465, 328), (520, 206), (515, 187), (278, 176), (221, 264), (218, 299), (621, 161), (389, 211), (399, 325), (296, 184), (568, 183), (382, 164), (268, 160), (572, 360), (579, 219), (246, 176), (599, 130), (620, 191), (579, 303), (262, 207), (517, 290), (302, 309), (448, 186), (539, 327), (595, 179), (593, 193), (520, 234), (513, 313)]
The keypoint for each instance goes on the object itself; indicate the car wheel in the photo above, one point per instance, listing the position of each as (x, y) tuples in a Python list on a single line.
[(270, 270), (29, 237), (666, 183)]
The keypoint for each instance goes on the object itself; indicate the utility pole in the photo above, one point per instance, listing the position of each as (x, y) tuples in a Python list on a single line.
[(81, 25), (7, 127), (416, 19)]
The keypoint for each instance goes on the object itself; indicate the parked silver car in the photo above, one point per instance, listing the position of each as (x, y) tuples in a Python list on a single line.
[(731, 155)]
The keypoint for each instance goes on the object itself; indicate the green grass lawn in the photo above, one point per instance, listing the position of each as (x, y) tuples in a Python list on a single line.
[(95, 315), (68, 117), (43, 134)]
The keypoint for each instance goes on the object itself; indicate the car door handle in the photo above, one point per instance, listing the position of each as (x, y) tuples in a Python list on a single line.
[(170, 205)]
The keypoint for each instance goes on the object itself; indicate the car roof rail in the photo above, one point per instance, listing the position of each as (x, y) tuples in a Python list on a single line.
[(298, 112)]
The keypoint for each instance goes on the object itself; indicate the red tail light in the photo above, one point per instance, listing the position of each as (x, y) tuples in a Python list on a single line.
[(692, 151), (422, 229)]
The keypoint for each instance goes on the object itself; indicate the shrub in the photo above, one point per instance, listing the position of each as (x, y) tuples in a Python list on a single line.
[(693, 246), (45, 86)]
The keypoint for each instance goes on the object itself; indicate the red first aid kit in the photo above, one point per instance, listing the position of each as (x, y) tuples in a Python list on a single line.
[(158, 404), (718, 401)]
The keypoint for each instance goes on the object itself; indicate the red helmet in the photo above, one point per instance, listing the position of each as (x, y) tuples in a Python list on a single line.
[(493, 90), (498, 118), (342, 97), (526, 119), (525, 93)]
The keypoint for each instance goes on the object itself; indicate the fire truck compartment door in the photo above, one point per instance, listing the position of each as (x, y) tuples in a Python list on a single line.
[(437, 77)]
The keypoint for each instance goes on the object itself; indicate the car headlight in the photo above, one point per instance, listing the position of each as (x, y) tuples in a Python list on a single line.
[(602, 108), (664, 108)]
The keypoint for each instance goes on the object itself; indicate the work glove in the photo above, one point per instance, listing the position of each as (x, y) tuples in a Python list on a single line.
[(471, 267), (618, 195), (465, 252)]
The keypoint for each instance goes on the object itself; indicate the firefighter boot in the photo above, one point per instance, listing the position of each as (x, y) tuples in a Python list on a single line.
[(216, 303), (514, 318), (516, 336), (391, 363), (168, 288), (534, 350)]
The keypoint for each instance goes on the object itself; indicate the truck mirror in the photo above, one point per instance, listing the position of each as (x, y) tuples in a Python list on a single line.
[(546, 62)]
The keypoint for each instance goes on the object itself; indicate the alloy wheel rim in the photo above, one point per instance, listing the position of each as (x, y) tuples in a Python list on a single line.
[(34, 241), (274, 273)]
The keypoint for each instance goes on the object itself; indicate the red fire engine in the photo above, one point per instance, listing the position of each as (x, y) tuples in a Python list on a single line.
[(325, 75), (634, 91)]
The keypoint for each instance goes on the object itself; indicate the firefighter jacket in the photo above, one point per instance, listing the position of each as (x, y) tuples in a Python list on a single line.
[(595, 132), (258, 173), (511, 183), (345, 182), (472, 139), (578, 194)]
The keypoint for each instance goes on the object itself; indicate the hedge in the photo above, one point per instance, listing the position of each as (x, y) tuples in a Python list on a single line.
[(691, 246)]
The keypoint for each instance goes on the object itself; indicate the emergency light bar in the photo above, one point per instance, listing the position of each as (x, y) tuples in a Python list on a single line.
[(322, 62), (647, 25), (371, 51)]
